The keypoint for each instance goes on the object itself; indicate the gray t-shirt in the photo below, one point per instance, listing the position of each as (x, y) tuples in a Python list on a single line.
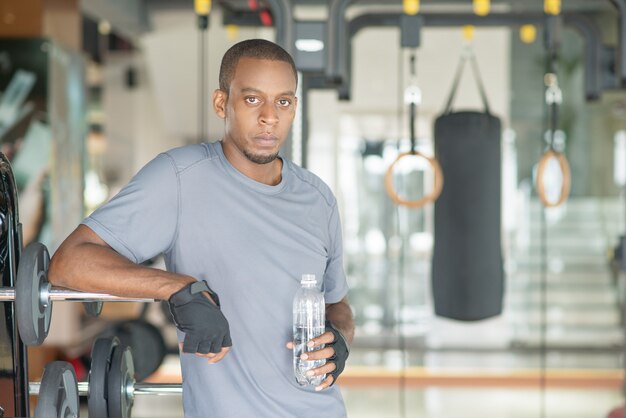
[(251, 243)]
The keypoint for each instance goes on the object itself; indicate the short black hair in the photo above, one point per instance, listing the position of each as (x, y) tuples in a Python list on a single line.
[(251, 48)]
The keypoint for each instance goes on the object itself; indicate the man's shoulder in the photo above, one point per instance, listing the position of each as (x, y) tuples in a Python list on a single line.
[(188, 155), (307, 179)]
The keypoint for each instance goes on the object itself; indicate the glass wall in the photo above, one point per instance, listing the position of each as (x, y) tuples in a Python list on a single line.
[(556, 349)]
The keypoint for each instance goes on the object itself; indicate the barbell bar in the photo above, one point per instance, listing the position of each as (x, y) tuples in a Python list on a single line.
[(138, 389), (53, 293), (33, 295)]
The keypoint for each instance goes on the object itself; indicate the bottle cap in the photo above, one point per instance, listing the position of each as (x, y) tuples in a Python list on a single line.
[(308, 278)]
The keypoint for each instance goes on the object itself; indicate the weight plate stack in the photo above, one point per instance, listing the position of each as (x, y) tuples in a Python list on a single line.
[(58, 393), (121, 380), (101, 356)]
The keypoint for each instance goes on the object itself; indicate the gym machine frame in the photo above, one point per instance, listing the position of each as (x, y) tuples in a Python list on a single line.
[(594, 49), (11, 237), (339, 35)]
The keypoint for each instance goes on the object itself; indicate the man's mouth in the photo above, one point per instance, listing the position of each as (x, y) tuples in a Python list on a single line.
[(266, 139)]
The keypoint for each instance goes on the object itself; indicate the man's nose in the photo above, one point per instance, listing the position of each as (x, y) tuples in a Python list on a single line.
[(268, 115)]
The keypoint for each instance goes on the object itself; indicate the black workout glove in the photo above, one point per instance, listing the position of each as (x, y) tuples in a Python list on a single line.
[(205, 327), (340, 345)]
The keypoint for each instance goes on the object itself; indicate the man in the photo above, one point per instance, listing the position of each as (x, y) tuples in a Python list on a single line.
[(246, 222)]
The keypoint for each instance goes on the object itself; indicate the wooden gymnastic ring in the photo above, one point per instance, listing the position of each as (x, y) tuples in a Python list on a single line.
[(395, 197), (567, 178)]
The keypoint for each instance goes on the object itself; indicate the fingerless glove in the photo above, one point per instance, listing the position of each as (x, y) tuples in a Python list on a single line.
[(205, 327), (340, 345)]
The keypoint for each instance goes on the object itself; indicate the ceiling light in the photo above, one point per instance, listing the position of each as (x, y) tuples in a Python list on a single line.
[(309, 45)]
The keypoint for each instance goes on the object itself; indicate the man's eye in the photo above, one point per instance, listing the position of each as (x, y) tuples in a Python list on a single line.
[(252, 100), (284, 102)]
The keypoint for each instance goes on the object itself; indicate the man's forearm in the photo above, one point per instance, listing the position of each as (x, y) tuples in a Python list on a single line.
[(82, 263), (340, 314)]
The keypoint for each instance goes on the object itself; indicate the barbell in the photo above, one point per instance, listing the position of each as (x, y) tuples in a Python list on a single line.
[(111, 388), (33, 295)]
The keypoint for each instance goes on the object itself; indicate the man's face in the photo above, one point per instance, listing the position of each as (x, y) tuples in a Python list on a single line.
[(259, 108)]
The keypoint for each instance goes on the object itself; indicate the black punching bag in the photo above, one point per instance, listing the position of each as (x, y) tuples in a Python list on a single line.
[(467, 271)]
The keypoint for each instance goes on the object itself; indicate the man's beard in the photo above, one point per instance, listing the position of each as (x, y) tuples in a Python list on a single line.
[(260, 159)]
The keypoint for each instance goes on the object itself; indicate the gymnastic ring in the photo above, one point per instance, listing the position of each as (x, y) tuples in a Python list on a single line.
[(431, 197), (567, 178)]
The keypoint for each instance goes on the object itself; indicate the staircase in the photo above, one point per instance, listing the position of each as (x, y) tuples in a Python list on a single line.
[(583, 303)]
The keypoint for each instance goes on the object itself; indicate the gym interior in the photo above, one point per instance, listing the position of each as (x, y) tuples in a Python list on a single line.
[(476, 148)]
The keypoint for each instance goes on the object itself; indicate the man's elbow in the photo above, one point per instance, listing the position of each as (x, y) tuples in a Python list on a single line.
[(70, 257), (58, 271)]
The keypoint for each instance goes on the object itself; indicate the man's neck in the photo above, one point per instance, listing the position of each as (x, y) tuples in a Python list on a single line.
[(270, 173)]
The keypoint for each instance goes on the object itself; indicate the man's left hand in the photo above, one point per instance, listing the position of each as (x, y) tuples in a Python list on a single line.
[(335, 353)]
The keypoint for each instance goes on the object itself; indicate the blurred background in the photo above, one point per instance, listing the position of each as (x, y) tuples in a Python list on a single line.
[(94, 89)]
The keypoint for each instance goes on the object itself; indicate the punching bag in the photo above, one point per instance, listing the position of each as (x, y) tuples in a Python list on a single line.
[(467, 270)]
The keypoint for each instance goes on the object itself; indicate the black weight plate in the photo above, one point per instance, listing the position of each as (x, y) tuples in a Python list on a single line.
[(146, 342), (93, 308), (101, 356), (58, 393), (121, 377), (33, 314)]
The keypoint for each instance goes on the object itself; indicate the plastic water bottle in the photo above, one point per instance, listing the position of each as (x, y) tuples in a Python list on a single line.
[(309, 315)]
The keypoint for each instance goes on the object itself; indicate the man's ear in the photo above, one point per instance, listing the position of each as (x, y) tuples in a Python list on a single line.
[(219, 103)]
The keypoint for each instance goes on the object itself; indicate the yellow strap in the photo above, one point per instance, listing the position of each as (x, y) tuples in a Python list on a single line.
[(203, 7), (552, 7), (482, 7), (528, 33), (232, 32), (468, 33), (411, 7)]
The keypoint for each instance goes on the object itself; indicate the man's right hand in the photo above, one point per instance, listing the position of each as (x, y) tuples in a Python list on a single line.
[(206, 329)]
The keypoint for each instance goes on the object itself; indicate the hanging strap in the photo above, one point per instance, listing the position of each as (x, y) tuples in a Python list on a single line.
[(554, 99), (554, 96), (412, 105), (457, 78)]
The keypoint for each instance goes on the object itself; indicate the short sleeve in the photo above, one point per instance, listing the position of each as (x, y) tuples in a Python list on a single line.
[(335, 284), (140, 222)]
